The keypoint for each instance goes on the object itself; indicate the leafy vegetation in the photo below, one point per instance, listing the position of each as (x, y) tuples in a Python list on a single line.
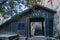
[(11, 3), (16, 18), (31, 3), (1, 10)]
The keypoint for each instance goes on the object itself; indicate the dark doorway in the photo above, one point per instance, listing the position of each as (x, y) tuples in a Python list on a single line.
[(36, 26)]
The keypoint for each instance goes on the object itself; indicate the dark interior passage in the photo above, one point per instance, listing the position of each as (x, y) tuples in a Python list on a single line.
[(37, 26)]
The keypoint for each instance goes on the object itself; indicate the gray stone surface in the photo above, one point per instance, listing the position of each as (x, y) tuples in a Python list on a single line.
[(42, 38), (22, 38), (56, 25), (37, 38)]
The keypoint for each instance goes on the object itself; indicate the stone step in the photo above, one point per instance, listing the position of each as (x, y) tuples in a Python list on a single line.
[(38, 38), (42, 38)]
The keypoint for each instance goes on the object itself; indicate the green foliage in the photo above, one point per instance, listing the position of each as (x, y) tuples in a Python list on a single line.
[(31, 3), (1, 10), (33, 8), (16, 18), (11, 3)]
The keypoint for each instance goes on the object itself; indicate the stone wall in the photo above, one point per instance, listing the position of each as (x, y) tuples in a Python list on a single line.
[(57, 24), (49, 3)]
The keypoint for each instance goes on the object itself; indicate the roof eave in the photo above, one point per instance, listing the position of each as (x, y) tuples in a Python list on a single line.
[(38, 7)]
